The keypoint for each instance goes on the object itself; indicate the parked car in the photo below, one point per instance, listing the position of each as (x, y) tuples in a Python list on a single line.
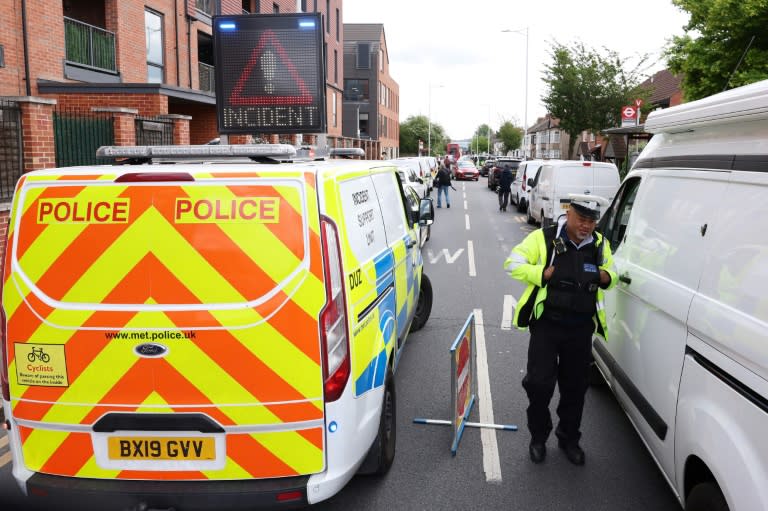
[(495, 173), (557, 179), (687, 352), (487, 166), (419, 165), (527, 170), (408, 177), (465, 169)]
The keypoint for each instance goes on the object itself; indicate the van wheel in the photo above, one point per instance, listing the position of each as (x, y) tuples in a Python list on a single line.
[(544, 220), (530, 219), (382, 452), (424, 305), (706, 497)]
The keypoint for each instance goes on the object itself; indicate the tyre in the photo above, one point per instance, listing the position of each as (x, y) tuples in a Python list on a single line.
[(530, 219), (382, 452), (544, 220), (706, 497), (424, 305), (521, 206)]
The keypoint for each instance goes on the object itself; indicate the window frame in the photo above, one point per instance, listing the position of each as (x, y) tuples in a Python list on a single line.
[(151, 64)]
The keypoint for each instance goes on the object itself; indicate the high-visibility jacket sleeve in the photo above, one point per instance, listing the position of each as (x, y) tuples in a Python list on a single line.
[(525, 261), (608, 264)]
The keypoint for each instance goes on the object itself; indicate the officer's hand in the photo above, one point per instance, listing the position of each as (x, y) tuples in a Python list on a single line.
[(605, 279), (548, 273)]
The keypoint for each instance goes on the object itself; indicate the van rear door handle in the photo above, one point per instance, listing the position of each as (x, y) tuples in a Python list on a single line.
[(624, 277)]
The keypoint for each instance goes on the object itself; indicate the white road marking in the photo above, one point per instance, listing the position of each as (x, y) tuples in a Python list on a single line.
[(465, 205), (471, 257), (491, 463), (464, 194), (450, 259), (466, 221), (506, 313), (505, 248)]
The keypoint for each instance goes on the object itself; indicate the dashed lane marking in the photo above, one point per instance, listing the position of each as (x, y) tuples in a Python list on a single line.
[(471, 257), (506, 313), (466, 221), (465, 205)]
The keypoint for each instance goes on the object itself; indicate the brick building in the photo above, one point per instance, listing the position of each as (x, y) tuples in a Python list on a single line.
[(140, 66)]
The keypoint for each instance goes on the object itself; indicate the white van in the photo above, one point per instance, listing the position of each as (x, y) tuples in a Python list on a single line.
[(687, 353), (527, 170), (549, 197)]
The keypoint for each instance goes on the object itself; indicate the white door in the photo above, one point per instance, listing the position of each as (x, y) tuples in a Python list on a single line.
[(655, 231)]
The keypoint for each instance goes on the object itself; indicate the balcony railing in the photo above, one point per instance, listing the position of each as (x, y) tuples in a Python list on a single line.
[(88, 45), (207, 77)]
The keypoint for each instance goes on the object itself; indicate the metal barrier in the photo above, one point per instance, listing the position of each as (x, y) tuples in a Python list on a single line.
[(11, 149), (154, 131), (78, 134), (89, 45)]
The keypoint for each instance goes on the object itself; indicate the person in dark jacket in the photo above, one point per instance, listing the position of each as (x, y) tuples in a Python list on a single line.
[(505, 187), (443, 179)]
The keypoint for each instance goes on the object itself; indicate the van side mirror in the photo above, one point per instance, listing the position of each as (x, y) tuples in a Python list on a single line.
[(530, 182), (426, 212)]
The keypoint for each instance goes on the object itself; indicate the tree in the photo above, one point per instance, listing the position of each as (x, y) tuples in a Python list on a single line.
[(416, 128), (586, 89), (511, 136), (479, 144), (730, 51)]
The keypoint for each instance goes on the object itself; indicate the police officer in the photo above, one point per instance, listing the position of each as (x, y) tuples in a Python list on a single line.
[(566, 267), (505, 187)]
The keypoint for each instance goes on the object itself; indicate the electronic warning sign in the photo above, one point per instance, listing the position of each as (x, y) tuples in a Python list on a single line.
[(270, 73)]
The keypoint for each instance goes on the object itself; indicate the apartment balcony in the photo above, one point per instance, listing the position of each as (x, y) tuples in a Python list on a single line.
[(90, 52), (207, 77)]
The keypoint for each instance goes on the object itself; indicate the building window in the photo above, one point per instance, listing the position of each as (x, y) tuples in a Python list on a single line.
[(381, 60), (556, 137), (338, 17), (363, 56), (328, 16), (153, 27), (251, 6), (303, 6), (333, 111), (363, 125), (356, 90), (275, 8), (335, 66)]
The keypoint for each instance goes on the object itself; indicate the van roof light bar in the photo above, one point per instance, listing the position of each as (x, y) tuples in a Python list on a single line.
[(276, 151)]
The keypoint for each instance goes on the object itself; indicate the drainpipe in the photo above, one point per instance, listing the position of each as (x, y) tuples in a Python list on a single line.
[(189, 44), (176, 29), (26, 46)]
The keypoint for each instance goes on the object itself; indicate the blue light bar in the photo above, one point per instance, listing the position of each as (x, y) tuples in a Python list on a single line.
[(307, 24), (227, 25)]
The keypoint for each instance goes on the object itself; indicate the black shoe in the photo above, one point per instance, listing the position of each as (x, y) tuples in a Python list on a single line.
[(573, 452), (537, 451), (449, 205)]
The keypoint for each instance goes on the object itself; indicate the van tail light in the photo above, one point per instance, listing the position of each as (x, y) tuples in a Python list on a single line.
[(586, 163), (333, 317)]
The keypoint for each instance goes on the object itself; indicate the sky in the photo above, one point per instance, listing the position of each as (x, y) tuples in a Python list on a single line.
[(455, 63)]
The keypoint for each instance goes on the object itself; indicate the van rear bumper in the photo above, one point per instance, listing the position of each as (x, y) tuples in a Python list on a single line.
[(57, 492)]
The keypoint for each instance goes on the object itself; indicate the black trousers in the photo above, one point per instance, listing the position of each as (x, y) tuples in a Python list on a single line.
[(503, 198), (557, 353)]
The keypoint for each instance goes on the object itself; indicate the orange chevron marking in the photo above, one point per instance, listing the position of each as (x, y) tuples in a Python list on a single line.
[(32, 229), (315, 436), (70, 456), (255, 458)]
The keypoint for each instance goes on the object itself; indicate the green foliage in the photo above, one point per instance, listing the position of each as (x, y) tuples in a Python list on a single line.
[(479, 144), (725, 29), (482, 131), (511, 136), (416, 128), (586, 89)]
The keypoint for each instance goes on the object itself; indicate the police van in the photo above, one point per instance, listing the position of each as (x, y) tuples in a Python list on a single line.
[(687, 354), (215, 333)]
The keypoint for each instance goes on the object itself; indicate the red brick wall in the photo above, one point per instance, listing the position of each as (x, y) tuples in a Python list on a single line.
[(45, 33), (146, 104), (12, 75), (3, 231), (202, 127), (37, 133)]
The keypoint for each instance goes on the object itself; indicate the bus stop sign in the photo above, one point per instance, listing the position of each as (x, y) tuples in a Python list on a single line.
[(269, 73)]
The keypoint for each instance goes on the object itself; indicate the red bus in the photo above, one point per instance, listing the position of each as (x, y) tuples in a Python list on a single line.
[(453, 150)]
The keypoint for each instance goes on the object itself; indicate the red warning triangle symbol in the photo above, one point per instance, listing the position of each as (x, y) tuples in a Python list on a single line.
[(266, 55)]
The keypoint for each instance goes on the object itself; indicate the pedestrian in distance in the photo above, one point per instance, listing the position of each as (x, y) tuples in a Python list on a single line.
[(442, 183), (567, 266), (505, 187)]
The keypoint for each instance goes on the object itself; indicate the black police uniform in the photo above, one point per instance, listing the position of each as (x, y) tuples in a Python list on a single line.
[(561, 339)]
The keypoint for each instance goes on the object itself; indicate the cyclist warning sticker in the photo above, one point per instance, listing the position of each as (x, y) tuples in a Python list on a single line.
[(42, 365)]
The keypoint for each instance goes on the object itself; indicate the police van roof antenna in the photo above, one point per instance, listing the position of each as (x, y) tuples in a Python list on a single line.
[(744, 54)]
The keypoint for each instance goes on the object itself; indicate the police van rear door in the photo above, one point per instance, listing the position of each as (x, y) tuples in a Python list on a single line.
[(164, 324)]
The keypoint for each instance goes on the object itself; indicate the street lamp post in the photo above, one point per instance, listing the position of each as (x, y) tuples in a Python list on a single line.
[(525, 121), (429, 117)]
